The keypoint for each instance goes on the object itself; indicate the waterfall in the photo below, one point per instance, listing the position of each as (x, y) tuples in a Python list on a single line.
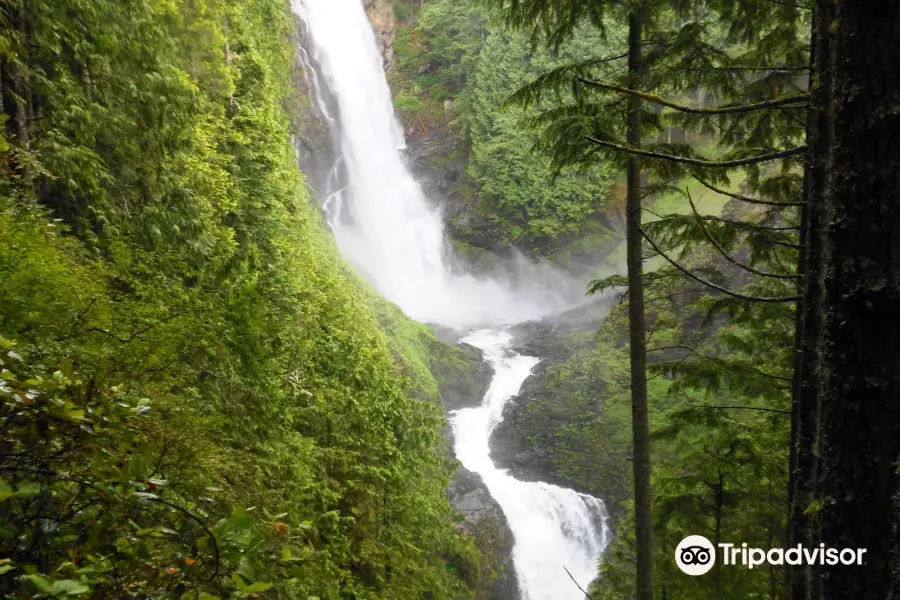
[(554, 527), (387, 229), (382, 222)]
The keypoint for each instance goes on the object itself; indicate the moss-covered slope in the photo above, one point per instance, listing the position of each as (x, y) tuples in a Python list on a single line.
[(199, 399)]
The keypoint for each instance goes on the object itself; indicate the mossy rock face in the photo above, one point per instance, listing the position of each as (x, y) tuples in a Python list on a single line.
[(462, 374), (463, 377), (562, 427), (439, 161)]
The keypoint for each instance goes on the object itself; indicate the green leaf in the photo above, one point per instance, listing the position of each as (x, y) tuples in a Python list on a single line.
[(239, 582), (75, 415), (6, 490), (68, 587), (245, 569), (259, 587), (39, 582), (285, 555), (28, 489)]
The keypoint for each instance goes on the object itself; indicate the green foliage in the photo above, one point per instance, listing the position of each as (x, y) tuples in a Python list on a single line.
[(436, 59), (721, 428), (718, 394), (720, 439), (515, 183), (199, 398), (462, 69)]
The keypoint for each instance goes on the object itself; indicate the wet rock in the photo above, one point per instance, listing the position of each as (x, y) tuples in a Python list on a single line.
[(316, 150), (438, 162), (381, 15), (466, 392), (485, 522), (462, 374), (512, 443), (516, 444)]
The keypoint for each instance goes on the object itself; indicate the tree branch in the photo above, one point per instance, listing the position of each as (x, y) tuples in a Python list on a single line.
[(772, 410), (713, 285), (727, 256), (747, 198), (720, 361), (723, 110), (699, 162), (738, 224), (774, 68), (200, 522), (586, 595)]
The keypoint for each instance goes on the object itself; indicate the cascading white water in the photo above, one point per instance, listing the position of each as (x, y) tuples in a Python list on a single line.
[(381, 220), (385, 226), (554, 527)]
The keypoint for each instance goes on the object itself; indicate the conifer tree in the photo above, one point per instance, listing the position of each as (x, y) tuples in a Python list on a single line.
[(849, 392), (743, 70)]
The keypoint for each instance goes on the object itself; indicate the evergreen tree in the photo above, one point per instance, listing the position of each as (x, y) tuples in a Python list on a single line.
[(848, 390), (690, 49)]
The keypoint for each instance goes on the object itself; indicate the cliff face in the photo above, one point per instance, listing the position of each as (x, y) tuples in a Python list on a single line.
[(381, 15)]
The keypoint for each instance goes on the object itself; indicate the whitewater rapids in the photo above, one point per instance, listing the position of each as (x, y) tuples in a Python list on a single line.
[(554, 527)]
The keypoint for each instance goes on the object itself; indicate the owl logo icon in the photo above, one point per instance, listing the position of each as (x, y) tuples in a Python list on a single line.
[(695, 555)]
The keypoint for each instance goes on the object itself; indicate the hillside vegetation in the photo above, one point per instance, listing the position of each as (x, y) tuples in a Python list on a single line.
[(197, 398), (455, 70)]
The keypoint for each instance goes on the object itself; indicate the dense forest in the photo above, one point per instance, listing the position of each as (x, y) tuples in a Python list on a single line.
[(201, 398), (734, 133)]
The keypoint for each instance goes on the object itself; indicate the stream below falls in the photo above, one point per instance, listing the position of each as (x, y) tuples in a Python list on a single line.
[(554, 527)]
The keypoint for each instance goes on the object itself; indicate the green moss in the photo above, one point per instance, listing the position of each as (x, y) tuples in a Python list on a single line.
[(164, 258)]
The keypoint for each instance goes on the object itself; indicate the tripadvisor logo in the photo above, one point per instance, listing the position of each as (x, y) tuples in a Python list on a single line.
[(696, 555)]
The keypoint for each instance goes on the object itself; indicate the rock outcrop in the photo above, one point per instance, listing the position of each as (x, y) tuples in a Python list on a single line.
[(381, 15), (463, 377), (520, 442), (438, 163), (486, 523)]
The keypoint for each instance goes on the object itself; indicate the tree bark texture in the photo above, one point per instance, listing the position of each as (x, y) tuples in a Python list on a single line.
[(637, 328), (855, 173)]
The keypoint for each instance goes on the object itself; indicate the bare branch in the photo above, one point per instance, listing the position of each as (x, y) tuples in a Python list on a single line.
[(772, 410), (798, 99), (747, 198), (699, 162), (713, 285), (773, 68), (586, 595)]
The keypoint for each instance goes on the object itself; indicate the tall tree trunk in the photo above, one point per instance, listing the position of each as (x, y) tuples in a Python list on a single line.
[(717, 537), (807, 372), (637, 326), (857, 480)]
